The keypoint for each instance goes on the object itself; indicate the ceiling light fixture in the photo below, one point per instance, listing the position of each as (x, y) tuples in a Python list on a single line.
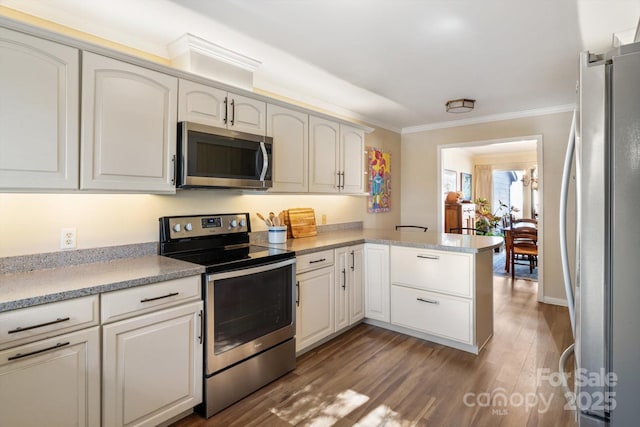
[(461, 105)]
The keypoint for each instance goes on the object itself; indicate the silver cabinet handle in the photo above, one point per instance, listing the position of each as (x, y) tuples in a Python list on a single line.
[(317, 260), (172, 294), (428, 256), (298, 293), (40, 325), (353, 260), (344, 278), (226, 113), (175, 167), (338, 186), (342, 180), (20, 356), (233, 111), (201, 326), (429, 301)]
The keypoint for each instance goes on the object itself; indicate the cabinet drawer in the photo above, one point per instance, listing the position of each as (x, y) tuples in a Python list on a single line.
[(314, 261), (436, 314), (447, 272), (143, 299), (35, 323)]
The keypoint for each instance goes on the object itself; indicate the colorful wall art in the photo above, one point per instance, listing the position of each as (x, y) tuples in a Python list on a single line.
[(379, 199)]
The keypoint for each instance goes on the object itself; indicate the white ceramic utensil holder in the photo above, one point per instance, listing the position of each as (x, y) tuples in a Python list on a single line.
[(278, 234)]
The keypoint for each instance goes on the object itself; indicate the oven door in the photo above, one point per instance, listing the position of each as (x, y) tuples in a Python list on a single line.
[(248, 311)]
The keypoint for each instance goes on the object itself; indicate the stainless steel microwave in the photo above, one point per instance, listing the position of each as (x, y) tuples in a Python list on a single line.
[(217, 157)]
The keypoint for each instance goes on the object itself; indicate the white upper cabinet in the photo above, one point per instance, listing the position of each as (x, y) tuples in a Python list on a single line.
[(324, 163), (352, 159), (211, 106), (39, 83), (337, 157), (129, 126), (290, 132)]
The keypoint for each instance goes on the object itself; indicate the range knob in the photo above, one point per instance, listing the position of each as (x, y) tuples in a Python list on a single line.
[(234, 223), (243, 223), (188, 226), (176, 228)]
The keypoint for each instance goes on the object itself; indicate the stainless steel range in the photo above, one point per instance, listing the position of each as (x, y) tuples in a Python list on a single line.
[(249, 294)]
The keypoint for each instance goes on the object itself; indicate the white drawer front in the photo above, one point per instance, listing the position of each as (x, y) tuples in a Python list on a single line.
[(447, 272), (35, 323), (436, 314), (314, 261), (143, 299)]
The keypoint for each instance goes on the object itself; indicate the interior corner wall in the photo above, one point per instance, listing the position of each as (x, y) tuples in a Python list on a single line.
[(420, 177), (389, 142)]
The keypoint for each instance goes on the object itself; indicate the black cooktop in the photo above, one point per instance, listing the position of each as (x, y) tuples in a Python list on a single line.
[(234, 258), (220, 242)]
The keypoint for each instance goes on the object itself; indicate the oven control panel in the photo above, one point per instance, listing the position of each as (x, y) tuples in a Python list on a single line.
[(207, 225)]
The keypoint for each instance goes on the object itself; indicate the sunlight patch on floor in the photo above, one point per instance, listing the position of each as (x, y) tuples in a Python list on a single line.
[(317, 410)]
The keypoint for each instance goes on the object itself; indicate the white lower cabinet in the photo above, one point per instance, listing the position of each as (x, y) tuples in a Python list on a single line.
[(52, 382), (376, 279), (50, 364), (152, 362), (445, 316), (349, 287), (315, 306)]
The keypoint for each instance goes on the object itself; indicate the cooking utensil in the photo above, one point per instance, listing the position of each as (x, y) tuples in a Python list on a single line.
[(266, 220)]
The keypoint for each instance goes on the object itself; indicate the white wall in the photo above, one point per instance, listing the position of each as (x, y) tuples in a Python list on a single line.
[(420, 168)]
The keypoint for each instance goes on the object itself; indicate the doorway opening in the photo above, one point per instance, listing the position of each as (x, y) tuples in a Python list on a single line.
[(519, 161)]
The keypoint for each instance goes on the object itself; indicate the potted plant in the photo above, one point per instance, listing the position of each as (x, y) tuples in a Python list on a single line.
[(486, 221)]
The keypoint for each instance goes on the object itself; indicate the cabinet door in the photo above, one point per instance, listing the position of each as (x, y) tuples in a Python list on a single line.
[(201, 104), (324, 155), (342, 288), (39, 85), (290, 132), (128, 126), (356, 283), (315, 313), (376, 276), (352, 159), (246, 114), (443, 315), (52, 382), (439, 271), (152, 366)]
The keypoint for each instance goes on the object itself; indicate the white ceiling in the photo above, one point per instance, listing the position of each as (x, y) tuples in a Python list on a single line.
[(393, 63)]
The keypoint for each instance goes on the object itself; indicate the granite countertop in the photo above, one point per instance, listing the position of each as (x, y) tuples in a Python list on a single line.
[(418, 239), (60, 276), (25, 289)]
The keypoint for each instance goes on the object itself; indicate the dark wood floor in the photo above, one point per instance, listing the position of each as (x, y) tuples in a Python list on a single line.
[(373, 377)]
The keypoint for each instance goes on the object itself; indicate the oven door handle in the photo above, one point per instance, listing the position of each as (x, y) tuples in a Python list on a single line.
[(251, 270)]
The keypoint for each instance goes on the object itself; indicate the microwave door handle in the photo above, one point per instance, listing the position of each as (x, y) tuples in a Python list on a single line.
[(265, 161)]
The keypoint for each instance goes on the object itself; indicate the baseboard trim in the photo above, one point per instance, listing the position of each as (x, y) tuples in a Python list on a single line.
[(555, 301)]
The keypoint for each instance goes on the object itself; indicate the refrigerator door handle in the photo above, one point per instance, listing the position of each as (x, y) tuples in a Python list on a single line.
[(566, 177)]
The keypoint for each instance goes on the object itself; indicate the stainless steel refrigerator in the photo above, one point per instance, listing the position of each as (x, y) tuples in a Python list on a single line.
[(607, 274)]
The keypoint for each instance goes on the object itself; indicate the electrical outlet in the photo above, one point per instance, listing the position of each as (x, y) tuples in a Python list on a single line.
[(68, 238)]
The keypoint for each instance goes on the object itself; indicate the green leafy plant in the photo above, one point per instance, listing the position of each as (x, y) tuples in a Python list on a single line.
[(486, 221)]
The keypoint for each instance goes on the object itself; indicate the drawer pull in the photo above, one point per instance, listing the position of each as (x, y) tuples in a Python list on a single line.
[(53, 322), (317, 260), (298, 293), (428, 257), (429, 301), (20, 356), (172, 294)]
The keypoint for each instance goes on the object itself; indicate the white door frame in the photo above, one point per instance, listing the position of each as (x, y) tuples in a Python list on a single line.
[(539, 155)]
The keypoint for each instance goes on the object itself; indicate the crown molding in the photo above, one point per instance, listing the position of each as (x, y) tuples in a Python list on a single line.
[(490, 118)]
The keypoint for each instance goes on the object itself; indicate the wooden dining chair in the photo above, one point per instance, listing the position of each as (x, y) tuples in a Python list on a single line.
[(523, 243), (527, 222)]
